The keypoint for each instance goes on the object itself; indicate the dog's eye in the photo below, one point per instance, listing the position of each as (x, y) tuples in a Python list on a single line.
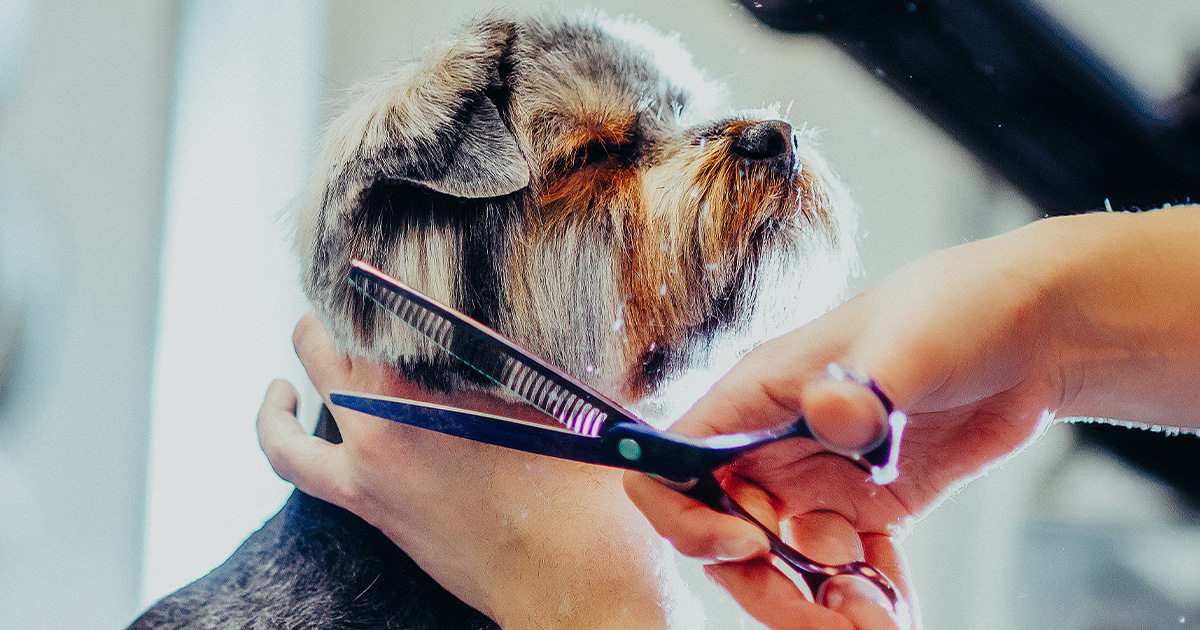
[(593, 153), (598, 152)]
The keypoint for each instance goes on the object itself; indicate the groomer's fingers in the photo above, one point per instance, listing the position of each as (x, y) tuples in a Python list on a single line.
[(826, 537), (692, 527), (829, 538), (885, 554), (863, 603), (760, 392), (310, 463), (843, 414), (773, 598), (281, 399), (277, 425)]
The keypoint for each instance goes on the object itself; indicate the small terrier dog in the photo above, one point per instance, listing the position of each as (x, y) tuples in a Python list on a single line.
[(575, 184)]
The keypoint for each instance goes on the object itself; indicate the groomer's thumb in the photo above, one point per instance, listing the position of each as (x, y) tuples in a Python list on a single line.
[(843, 413), (278, 427), (306, 461), (783, 381)]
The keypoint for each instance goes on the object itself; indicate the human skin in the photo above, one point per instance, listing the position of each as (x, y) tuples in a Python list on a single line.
[(475, 517), (983, 345), (533, 542)]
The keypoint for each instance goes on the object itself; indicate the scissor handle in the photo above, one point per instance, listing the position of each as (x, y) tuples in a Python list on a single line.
[(680, 458), (708, 491)]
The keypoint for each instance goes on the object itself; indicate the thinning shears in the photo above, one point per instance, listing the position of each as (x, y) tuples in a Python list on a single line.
[(589, 427)]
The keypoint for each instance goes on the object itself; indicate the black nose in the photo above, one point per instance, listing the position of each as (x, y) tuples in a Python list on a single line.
[(764, 140)]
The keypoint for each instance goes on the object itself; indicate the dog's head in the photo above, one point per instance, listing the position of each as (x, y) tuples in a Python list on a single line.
[(577, 185)]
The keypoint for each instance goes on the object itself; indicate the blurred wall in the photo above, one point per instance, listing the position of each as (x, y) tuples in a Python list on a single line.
[(83, 135), (242, 140)]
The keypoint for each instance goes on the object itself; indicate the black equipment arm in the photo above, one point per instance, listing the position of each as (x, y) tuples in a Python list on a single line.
[(1019, 91)]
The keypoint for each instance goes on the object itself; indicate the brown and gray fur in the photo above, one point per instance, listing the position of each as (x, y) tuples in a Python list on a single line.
[(553, 180)]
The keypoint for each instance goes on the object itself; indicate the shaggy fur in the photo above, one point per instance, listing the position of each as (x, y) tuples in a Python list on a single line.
[(575, 184), (551, 181)]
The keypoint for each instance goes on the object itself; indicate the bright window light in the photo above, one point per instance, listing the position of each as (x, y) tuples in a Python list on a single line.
[(247, 106)]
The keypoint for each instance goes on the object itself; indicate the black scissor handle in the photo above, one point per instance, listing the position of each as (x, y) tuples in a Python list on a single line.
[(680, 458)]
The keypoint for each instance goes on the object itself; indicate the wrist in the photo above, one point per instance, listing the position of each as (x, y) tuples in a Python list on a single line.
[(1125, 296)]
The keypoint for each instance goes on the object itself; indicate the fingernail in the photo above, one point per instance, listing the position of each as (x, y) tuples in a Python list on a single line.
[(834, 598), (737, 550)]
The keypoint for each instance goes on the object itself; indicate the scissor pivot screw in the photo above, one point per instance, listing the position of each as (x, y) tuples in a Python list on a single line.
[(629, 449)]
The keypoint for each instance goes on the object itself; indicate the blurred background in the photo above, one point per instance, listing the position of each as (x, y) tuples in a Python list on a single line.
[(149, 154)]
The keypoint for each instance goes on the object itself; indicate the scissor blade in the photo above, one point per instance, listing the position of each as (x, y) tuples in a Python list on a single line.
[(549, 389), (480, 427)]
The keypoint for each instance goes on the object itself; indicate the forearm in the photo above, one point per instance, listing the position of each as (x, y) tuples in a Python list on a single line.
[(1126, 291)]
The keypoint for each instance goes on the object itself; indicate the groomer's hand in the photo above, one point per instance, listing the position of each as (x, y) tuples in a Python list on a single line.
[(532, 542), (1087, 315)]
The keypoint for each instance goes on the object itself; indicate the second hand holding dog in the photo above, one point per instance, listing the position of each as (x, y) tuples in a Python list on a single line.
[(529, 541)]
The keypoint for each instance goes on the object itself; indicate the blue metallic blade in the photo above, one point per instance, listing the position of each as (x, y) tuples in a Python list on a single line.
[(481, 427)]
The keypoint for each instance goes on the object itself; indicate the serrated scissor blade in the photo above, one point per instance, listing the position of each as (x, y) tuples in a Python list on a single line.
[(547, 388)]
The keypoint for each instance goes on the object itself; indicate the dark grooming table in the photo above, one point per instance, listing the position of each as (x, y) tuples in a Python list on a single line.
[(1032, 102)]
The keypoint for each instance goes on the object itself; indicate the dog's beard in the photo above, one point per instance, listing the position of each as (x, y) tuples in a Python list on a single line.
[(626, 281), (791, 285), (658, 279)]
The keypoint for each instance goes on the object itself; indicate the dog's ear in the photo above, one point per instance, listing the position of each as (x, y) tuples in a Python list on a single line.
[(485, 162), (438, 124), (435, 124)]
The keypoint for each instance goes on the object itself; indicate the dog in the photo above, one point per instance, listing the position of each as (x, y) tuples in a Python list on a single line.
[(574, 183)]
